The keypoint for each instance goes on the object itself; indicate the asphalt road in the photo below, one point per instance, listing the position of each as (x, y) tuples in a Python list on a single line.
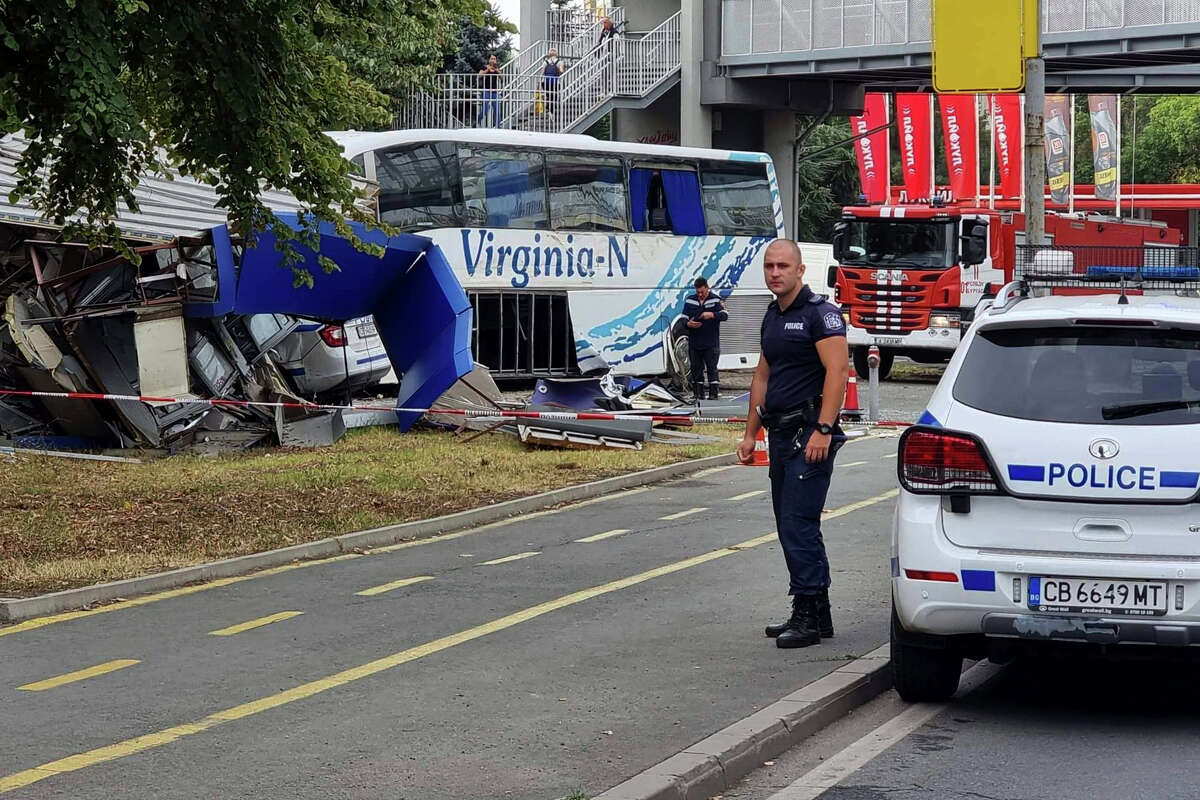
[(527, 659), (1068, 730)]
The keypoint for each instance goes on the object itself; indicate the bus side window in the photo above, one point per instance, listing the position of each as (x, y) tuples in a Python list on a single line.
[(664, 199), (504, 188), (587, 193), (419, 187), (737, 199)]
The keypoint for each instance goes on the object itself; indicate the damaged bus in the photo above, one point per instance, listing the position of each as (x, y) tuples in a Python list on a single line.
[(576, 253)]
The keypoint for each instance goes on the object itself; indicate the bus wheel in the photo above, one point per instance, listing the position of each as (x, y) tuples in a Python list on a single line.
[(680, 366), (886, 359)]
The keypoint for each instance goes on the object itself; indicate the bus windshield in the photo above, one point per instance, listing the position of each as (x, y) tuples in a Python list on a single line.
[(892, 242)]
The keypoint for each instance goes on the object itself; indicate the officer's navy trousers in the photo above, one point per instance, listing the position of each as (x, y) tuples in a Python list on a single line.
[(798, 491)]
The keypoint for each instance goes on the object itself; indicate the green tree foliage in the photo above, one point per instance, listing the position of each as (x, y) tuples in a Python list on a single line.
[(478, 37), (232, 92), (1167, 148), (825, 181)]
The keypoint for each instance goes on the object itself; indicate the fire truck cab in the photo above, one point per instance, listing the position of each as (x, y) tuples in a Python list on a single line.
[(909, 277)]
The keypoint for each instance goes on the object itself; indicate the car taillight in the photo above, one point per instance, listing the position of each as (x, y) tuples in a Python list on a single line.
[(940, 462), (333, 335)]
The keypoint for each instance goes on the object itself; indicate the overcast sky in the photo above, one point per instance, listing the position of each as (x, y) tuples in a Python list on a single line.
[(511, 9)]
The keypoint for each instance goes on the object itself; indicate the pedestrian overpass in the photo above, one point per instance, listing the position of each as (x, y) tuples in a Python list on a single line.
[(1090, 45)]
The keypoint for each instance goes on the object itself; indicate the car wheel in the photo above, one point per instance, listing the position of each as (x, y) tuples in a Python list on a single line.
[(920, 673)]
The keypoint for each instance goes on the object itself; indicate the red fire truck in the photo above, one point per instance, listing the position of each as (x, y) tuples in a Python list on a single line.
[(908, 277)]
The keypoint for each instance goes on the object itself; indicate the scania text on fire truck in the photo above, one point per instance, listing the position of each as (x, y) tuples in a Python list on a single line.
[(908, 277)]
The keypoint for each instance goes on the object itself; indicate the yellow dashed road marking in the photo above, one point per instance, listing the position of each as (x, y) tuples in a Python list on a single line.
[(606, 535), (507, 559), (138, 744), (387, 587), (242, 627), (79, 675), (682, 514)]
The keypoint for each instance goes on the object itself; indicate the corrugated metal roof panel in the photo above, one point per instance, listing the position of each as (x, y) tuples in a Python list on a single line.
[(169, 207)]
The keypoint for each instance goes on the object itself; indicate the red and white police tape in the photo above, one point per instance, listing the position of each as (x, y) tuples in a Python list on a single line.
[(587, 416)]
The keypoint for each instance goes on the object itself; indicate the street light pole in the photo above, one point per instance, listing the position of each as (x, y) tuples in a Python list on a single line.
[(1035, 110)]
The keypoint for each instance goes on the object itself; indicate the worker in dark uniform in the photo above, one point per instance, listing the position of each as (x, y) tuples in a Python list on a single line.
[(705, 313), (797, 395)]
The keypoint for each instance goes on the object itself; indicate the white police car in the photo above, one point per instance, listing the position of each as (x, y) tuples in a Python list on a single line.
[(1049, 492)]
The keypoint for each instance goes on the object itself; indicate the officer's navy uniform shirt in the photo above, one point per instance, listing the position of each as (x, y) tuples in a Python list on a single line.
[(789, 344), (708, 335)]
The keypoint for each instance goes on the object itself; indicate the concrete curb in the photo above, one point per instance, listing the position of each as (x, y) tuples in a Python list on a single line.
[(18, 610), (716, 764)]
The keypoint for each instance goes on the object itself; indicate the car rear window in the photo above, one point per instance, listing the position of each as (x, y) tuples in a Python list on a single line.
[(1099, 375)]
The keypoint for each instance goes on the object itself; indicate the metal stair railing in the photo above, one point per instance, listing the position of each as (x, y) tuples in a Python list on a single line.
[(626, 66)]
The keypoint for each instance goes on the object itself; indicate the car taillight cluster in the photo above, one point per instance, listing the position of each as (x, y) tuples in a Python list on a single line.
[(942, 462), (333, 335)]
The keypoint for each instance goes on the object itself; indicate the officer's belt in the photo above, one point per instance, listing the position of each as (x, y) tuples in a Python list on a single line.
[(806, 414)]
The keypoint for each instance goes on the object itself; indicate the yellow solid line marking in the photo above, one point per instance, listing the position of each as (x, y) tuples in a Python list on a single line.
[(67, 616), (507, 559), (387, 587), (682, 514), (745, 495), (242, 627), (890, 455), (606, 535), (149, 741), (138, 744), (851, 464), (79, 675)]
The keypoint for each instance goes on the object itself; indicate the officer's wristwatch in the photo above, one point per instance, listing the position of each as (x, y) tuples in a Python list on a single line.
[(823, 429)]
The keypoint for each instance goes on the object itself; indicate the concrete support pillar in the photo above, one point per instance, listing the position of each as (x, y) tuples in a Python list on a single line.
[(779, 135), (695, 120), (533, 21)]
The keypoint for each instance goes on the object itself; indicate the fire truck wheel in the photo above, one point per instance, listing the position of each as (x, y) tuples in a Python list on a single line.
[(886, 359)]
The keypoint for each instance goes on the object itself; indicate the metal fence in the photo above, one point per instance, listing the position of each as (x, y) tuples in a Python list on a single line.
[(773, 26), (627, 66), (1108, 266)]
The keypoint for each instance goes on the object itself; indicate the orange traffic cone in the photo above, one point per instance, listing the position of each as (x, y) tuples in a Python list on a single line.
[(852, 410), (761, 457)]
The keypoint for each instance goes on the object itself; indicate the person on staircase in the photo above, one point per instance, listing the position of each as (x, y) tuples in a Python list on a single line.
[(705, 313), (489, 82), (551, 72)]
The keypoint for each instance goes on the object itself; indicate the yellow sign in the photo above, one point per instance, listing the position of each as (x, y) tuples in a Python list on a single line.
[(980, 47)]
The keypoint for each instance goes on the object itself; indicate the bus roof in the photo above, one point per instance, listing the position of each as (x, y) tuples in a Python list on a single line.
[(355, 142)]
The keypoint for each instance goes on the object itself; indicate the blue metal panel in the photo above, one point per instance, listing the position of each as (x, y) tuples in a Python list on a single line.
[(421, 311)]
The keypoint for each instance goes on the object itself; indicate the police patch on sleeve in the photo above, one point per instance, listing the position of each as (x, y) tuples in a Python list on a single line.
[(833, 321)]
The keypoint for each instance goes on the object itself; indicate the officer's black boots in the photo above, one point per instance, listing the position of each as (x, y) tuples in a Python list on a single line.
[(804, 628), (824, 618), (714, 391), (776, 628)]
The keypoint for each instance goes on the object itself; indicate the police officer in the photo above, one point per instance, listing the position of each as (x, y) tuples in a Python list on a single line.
[(797, 394), (705, 313)]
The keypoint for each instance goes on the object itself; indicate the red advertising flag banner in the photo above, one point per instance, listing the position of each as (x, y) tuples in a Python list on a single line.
[(1007, 125), (960, 131), (872, 150), (916, 144), (1103, 108)]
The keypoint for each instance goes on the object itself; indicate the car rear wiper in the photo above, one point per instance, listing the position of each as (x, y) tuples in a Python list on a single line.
[(1129, 410)]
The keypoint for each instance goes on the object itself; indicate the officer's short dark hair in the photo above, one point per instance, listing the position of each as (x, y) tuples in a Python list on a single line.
[(700, 282)]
